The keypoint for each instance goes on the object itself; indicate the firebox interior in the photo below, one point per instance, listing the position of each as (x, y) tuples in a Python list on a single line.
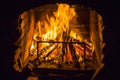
[(60, 36)]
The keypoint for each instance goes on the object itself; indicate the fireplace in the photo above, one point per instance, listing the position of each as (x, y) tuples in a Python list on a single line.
[(59, 37)]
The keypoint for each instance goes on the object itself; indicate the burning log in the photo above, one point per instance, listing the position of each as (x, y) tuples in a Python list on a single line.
[(75, 60), (64, 60), (47, 51), (69, 54), (52, 55), (59, 57), (80, 49), (79, 52)]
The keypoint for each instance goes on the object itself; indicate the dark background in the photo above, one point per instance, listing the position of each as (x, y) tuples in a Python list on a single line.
[(11, 9)]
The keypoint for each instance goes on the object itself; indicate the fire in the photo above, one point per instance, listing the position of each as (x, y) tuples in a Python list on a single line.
[(59, 37), (56, 28), (54, 38), (56, 25)]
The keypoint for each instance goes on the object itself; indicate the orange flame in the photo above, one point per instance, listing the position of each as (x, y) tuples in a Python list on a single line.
[(56, 27), (56, 24)]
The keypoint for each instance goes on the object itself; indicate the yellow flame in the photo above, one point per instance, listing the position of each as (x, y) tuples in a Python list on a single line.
[(56, 24), (32, 46)]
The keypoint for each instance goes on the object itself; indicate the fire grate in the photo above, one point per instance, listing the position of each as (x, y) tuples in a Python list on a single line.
[(72, 55)]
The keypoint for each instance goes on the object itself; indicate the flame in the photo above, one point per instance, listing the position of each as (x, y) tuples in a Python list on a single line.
[(32, 46), (55, 28), (55, 25)]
